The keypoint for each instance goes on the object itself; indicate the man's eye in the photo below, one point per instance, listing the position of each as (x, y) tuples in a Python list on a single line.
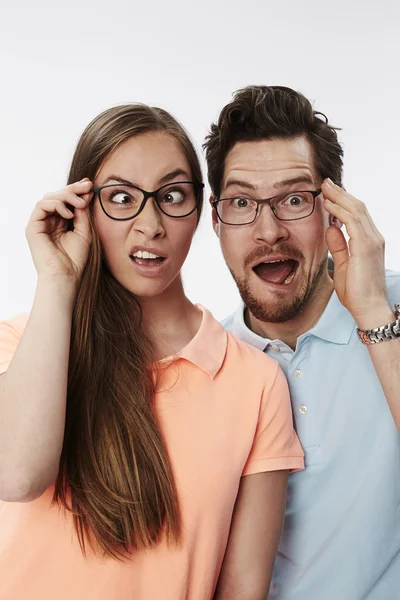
[(295, 200), (240, 202)]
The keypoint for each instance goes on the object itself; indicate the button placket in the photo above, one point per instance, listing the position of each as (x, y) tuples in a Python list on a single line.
[(305, 412)]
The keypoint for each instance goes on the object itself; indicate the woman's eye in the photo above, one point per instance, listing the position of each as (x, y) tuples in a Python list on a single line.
[(121, 198), (173, 197)]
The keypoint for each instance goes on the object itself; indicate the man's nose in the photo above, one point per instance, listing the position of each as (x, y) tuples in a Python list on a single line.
[(267, 228)]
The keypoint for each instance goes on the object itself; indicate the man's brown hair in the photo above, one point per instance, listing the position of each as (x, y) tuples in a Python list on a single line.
[(268, 112)]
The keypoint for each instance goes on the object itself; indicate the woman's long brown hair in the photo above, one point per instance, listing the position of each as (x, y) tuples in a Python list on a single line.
[(115, 473)]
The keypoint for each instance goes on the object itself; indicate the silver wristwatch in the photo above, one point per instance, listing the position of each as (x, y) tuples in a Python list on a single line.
[(385, 333)]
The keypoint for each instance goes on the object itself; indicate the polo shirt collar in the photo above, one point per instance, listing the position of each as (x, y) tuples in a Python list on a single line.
[(208, 347), (240, 329), (335, 325)]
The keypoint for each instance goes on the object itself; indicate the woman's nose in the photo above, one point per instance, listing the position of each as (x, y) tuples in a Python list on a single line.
[(149, 221)]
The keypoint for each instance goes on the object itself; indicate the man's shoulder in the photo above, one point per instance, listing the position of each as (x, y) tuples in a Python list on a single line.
[(227, 323)]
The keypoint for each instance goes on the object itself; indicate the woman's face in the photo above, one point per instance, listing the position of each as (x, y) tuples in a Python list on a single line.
[(148, 161)]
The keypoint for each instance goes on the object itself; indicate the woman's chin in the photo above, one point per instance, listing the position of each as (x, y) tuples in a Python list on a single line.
[(145, 289)]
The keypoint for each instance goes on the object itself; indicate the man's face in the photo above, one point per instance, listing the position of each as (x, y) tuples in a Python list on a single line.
[(278, 265)]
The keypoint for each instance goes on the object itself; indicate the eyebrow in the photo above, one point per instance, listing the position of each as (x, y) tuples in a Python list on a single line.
[(292, 181), (164, 179), (240, 183), (278, 185)]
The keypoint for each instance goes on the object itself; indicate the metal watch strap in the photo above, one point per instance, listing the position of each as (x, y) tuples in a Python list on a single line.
[(385, 333)]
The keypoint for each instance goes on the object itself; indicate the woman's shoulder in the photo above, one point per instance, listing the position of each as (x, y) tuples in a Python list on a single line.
[(248, 354), (10, 334), (239, 355), (14, 327)]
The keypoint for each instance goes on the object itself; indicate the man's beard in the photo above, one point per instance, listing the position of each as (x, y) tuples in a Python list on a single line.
[(273, 312)]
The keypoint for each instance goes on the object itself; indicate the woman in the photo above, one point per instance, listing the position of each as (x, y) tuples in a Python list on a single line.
[(133, 428)]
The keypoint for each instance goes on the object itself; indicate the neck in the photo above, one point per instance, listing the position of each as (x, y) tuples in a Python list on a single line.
[(289, 331), (171, 319)]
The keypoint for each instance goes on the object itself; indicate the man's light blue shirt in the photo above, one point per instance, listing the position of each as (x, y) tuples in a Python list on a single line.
[(341, 539)]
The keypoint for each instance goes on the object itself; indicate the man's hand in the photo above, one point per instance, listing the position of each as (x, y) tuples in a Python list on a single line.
[(359, 274)]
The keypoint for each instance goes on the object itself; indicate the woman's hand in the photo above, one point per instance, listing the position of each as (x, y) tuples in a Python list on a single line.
[(57, 248)]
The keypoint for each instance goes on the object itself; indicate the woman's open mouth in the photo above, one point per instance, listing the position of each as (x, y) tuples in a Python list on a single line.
[(278, 272), (147, 263)]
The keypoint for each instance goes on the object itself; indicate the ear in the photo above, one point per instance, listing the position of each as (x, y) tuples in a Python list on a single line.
[(215, 220), (335, 222)]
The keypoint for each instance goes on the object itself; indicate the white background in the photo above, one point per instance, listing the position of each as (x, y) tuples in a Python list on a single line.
[(61, 63)]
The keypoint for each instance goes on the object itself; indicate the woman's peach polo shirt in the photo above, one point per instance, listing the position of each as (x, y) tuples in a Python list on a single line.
[(224, 410)]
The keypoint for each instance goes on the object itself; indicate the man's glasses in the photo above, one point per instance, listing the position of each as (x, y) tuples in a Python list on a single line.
[(122, 202), (291, 206)]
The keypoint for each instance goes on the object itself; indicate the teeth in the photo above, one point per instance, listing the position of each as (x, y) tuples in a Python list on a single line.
[(274, 261), (289, 277), (144, 254)]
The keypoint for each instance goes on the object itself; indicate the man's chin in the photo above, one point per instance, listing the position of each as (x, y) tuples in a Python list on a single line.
[(273, 311), (271, 303)]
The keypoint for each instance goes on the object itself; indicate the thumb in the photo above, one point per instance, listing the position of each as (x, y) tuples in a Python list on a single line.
[(337, 246), (82, 223)]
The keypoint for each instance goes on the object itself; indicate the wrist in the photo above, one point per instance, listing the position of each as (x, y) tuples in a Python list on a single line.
[(376, 318), (61, 288)]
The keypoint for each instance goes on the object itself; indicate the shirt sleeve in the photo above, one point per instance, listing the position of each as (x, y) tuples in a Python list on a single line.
[(276, 445), (10, 335)]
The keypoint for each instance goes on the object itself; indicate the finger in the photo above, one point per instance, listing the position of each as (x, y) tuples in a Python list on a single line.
[(68, 197), (55, 225), (45, 218), (45, 208), (80, 187), (82, 224), (43, 232), (353, 224), (339, 196), (337, 246), (87, 197)]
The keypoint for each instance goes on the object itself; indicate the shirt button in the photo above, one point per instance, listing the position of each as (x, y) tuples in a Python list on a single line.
[(297, 373), (275, 348), (303, 409)]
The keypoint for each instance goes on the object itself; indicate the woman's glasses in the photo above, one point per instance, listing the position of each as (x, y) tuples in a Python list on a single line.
[(124, 201)]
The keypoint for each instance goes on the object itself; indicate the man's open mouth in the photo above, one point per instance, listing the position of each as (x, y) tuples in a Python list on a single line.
[(280, 272)]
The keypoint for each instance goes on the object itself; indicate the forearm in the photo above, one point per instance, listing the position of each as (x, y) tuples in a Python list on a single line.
[(33, 396), (386, 360), (254, 537)]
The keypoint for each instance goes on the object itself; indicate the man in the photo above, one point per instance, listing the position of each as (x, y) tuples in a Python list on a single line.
[(271, 160)]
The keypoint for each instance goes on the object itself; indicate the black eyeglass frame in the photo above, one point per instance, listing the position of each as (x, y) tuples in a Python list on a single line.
[(268, 201), (198, 186)]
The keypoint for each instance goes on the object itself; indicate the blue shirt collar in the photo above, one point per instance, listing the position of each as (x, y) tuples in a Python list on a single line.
[(336, 324)]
